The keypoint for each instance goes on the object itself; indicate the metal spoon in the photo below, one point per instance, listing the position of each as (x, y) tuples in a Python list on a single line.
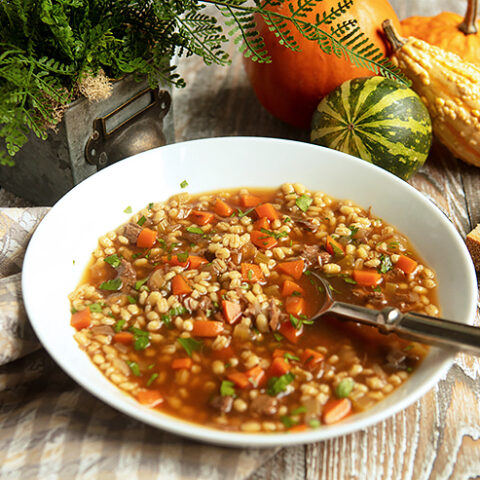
[(413, 326)]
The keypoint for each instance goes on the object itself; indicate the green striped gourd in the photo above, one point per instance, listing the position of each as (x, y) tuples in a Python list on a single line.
[(377, 120)]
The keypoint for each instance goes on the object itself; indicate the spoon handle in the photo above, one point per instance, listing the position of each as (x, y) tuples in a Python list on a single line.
[(414, 326)]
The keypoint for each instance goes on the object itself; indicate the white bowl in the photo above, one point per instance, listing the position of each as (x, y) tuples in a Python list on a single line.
[(62, 244)]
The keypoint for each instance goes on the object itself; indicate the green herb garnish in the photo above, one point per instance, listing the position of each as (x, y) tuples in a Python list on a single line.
[(349, 280), (134, 368), (276, 236), (153, 377), (353, 229), (142, 220), (140, 283), (287, 421), (113, 260), (246, 212), (277, 385), (95, 307), (182, 257), (300, 321), (299, 410), (131, 299), (344, 388), (119, 325), (141, 338), (386, 264), (314, 423), (196, 230), (184, 184), (112, 285), (189, 345), (304, 202), (278, 336), (128, 209), (289, 356), (227, 389), (377, 289)]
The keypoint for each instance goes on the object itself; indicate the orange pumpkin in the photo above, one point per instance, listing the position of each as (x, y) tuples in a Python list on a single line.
[(293, 84), (448, 31)]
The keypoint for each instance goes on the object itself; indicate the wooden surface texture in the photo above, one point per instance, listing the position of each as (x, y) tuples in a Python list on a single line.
[(439, 436)]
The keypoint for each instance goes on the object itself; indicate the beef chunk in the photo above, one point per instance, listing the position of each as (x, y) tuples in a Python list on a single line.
[(223, 404), (323, 258), (127, 274), (131, 231), (274, 314), (377, 299), (264, 405), (310, 254)]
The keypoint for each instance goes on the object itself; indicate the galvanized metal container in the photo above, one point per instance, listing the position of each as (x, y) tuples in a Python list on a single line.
[(90, 136)]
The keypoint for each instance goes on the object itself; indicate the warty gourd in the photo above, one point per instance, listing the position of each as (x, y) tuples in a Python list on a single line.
[(450, 89)]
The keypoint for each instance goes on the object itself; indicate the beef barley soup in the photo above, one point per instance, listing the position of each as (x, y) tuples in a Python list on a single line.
[(199, 307)]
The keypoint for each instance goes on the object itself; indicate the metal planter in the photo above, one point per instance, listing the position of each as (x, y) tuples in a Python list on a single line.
[(90, 136)]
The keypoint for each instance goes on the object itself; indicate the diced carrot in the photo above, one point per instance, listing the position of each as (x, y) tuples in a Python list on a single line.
[(262, 223), (174, 261), (302, 427), (279, 353), (278, 367), (180, 286), (333, 247), (81, 319), (251, 272), (262, 240), (239, 379), (408, 265), (336, 409), (256, 376), (222, 209), (182, 363), (295, 305), (293, 268), (207, 328), (146, 238), (223, 354), (150, 398), (367, 278), (290, 332), (267, 210), (311, 357), (290, 288), (231, 311), (123, 337), (194, 262), (249, 201), (201, 218)]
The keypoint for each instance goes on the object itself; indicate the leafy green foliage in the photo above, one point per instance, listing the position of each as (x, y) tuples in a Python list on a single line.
[(48, 46)]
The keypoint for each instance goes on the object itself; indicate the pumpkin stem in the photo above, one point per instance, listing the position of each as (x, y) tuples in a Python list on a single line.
[(393, 36), (469, 24)]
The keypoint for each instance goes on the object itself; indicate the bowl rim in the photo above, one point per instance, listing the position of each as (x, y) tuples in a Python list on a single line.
[(203, 433)]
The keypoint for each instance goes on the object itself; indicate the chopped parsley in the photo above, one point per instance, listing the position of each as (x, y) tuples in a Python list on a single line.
[(277, 385), (393, 245), (95, 307), (349, 280), (150, 205), (353, 229), (140, 283), (295, 293), (73, 310), (337, 251), (177, 311), (141, 339), (287, 219), (241, 214), (167, 320), (304, 202), (377, 289), (142, 220), (182, 257), (119, 325), (134, 368), (289, 356), (227, 389), (131, 299), (299, 410), (196, 230), (278, 336), (162, 243), (300, 321), (128, 209), (189, 345), (344, 388), (287, 421), (152, 378), (113, 260), (184, 184), (386, 264), (276, 236), (111, 285), (314, 423)]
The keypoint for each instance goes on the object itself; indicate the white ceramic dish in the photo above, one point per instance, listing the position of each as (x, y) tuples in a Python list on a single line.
[(61, 246)]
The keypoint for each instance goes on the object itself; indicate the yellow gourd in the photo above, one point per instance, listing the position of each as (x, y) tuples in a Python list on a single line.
[(449, 87)]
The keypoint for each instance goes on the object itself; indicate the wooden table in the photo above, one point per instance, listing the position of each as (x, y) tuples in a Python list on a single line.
[(439, 436)]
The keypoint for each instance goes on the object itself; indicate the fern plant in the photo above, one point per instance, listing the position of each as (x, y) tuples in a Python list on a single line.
[(48, 47)]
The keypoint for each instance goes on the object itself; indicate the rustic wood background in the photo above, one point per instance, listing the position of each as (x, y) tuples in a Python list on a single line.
[(439, 436)]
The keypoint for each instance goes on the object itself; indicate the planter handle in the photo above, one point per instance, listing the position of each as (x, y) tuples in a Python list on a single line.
[(121, 133)]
